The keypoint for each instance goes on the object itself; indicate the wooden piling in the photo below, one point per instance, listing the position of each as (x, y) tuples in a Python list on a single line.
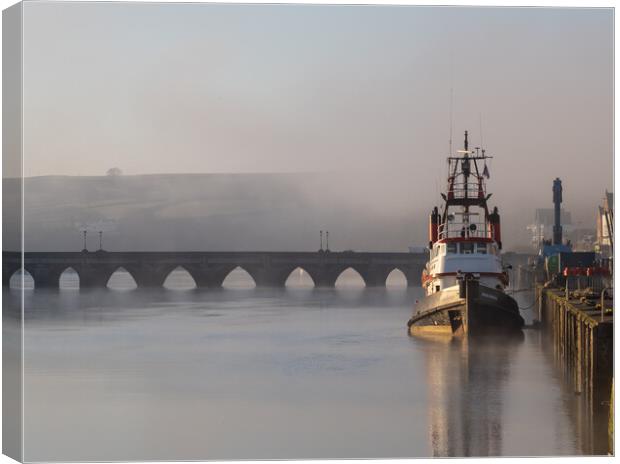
[(583, 349), (610, 424)]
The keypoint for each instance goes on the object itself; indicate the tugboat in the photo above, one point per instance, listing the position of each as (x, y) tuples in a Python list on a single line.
[(464, 280)]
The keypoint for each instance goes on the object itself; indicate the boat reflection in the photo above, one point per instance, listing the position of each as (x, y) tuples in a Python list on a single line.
[(466, 380)]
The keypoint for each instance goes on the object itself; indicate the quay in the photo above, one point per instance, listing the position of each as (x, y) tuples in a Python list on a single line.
[(580, 328)]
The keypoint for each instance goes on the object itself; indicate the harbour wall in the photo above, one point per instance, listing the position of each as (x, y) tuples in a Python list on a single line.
[(580, 330)]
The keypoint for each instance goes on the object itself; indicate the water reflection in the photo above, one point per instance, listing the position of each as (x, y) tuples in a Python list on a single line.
[(466, 379), (297, 372)]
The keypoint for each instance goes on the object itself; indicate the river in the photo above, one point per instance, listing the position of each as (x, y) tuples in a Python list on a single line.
[(247, 373)]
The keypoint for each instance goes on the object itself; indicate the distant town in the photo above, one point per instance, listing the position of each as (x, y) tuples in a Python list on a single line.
[(583, 237)]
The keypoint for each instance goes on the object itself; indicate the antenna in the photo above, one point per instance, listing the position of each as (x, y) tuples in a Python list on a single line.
[(481, 143), (451, 92), (451, 98)]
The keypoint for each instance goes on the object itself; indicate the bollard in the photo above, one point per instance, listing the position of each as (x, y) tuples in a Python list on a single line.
[(603, 302)]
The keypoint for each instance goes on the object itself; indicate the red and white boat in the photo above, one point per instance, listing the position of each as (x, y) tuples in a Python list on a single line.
[(464, 280)]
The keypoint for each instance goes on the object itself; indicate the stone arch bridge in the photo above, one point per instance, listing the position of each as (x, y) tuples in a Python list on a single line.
[(209, 269)]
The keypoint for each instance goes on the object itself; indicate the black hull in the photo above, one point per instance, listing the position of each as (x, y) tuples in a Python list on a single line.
[(482, 310)]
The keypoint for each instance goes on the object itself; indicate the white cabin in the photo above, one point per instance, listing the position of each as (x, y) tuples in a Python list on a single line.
[(450, 256)]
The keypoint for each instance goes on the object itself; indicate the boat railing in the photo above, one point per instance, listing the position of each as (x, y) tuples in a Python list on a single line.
[(463, 230), (466, 190)]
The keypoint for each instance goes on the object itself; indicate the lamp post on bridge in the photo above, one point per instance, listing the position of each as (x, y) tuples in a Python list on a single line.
[(327, 240), (85, 249), (100, 240), (321, 234)]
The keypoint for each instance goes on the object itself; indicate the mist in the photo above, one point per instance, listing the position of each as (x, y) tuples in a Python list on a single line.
[(243, 212), (351, 106)]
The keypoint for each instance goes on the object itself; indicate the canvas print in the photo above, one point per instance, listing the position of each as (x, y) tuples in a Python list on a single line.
[(297, 231)]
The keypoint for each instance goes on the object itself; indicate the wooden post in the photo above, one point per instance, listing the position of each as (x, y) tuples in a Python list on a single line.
[(540, 300), (562, 333), (579, 358), (592, 355), (610, 424)]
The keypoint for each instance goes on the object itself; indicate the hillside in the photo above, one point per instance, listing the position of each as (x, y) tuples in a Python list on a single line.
[(209, 212)]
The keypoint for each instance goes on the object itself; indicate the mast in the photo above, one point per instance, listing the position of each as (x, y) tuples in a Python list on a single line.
[(465, 167), (462, 167)]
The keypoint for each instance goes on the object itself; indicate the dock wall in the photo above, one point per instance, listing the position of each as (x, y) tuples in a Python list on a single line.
[(582, 342)]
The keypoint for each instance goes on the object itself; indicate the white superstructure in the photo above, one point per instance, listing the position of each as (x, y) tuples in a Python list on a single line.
[(465, 237)]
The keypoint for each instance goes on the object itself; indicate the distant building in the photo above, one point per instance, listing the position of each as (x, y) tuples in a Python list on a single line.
[(605, 226), (583, 239), (542, 227)]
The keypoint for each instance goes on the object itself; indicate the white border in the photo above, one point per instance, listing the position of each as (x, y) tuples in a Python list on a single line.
[(566, 3)]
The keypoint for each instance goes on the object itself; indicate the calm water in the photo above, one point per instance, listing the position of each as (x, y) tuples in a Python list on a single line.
[(239, 373)]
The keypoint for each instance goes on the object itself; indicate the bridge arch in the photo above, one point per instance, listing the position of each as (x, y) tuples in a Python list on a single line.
[(15, 281), (69, 279), (180, 278), (350, 278), (121, 279), (239, 278), (301, 278), (396, 278)]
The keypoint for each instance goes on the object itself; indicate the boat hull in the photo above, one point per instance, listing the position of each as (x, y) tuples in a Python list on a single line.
[(475, 309)]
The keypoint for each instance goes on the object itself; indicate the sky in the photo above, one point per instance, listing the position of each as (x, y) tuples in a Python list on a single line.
[(186, 88)]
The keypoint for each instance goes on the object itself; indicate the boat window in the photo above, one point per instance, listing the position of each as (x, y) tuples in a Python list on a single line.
[(467, 248), (481, 248), (451, 247)]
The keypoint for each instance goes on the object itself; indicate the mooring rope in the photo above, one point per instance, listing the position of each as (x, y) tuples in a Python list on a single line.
[(524, 290), (527, 307)]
